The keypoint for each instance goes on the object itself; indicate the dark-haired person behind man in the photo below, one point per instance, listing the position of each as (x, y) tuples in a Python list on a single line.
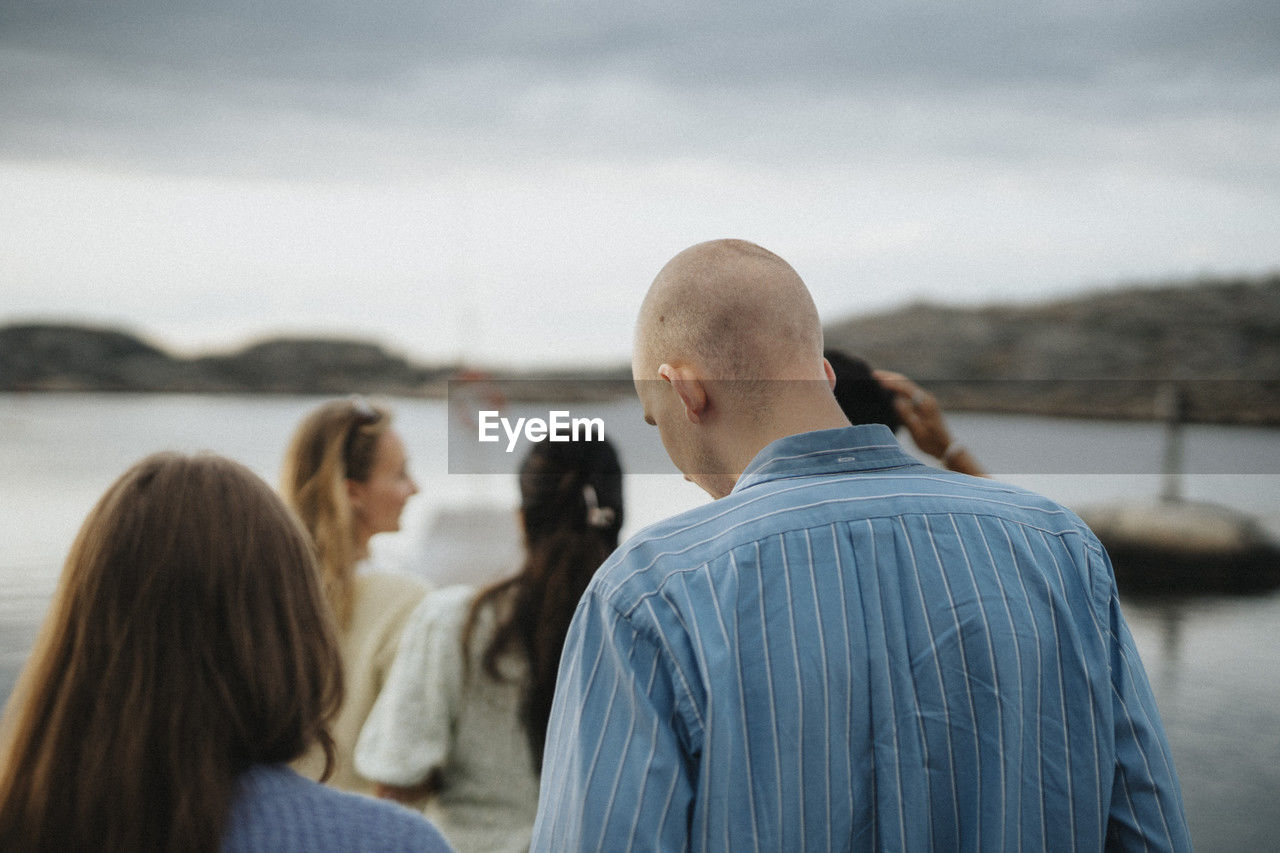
[(869, 396), (848, 649)]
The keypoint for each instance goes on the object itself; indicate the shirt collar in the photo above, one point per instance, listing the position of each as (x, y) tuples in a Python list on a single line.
[(827, 451)]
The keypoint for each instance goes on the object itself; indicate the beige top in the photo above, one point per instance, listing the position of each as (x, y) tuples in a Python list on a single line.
[(436, 713), (382, 603)]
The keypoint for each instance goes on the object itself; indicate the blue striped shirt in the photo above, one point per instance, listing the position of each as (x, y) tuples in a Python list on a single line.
[(855, 651)]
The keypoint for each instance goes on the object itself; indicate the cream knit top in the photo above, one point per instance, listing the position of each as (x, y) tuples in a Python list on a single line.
[(436, 713), (382, 603)]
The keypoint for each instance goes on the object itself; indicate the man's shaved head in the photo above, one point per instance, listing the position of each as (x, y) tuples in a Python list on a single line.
[(736, 310), (728, 357)]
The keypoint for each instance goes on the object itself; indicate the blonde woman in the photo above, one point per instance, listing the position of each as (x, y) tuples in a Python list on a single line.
[(187, 655), (347, 477)]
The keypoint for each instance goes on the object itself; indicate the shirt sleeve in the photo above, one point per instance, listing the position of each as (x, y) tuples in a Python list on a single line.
[(410, 728), (617, 769), (402, 599), (1146, 812)]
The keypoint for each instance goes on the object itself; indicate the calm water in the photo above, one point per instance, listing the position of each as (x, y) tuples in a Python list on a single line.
[(1214, 663)]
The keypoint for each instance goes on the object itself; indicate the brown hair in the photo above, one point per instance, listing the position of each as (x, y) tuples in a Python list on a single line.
[(571, 506), (188, 640), (335, 443)]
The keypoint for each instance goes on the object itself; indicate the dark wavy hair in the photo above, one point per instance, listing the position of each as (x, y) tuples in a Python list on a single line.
[(571, 506), (188, 640), (861, 397)]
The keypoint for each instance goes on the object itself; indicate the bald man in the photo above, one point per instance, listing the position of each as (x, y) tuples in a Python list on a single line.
[(847, 649)]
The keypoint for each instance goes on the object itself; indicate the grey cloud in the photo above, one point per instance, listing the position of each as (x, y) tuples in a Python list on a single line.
[(308, 86), (718, 43)]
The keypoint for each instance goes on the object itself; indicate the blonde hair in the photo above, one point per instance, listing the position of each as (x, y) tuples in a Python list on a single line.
[(332, 445), (187, 641)]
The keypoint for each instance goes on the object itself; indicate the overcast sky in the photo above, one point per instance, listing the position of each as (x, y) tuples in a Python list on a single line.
[(501, 181)]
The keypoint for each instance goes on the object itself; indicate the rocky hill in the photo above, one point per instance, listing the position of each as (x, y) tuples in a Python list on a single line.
[(44, 357), (1106, 354), (1098, 355)]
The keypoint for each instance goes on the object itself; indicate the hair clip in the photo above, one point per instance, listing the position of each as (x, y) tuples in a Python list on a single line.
[(361, 406), (597, 516)]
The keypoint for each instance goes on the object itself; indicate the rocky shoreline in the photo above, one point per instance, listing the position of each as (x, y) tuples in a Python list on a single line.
[(1104, 355)]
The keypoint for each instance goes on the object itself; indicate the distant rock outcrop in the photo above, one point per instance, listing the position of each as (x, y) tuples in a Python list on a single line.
[(318, 366), (1098, 355), (45, 357), (50, 357)]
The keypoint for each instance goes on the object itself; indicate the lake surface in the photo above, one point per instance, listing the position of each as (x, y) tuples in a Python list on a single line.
[(1214, 662)]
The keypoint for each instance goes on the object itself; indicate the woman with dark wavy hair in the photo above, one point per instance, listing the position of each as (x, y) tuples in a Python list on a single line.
[(869, 396), (188, 654), (463, 716)]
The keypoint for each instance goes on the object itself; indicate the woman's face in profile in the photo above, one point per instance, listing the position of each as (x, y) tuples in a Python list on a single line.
[(379, 500)]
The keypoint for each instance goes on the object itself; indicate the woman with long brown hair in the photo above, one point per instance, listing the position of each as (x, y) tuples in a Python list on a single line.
[(462, 719), (346, 475), (187, 654)]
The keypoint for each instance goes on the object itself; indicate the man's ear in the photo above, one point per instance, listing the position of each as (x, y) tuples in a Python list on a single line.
[(831, 374), (689, 387)]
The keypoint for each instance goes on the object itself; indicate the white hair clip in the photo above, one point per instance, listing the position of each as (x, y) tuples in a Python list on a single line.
[(361, 407), (597, 516)]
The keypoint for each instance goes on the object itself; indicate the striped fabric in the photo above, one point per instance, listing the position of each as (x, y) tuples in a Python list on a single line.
[(853, 651)]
